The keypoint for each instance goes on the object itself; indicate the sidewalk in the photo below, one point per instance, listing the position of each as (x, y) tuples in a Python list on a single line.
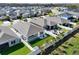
[(72, 23), (50, 33), (68, 28)]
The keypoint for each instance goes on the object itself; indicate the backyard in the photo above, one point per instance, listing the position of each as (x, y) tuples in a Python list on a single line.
[(1, 22), (70, 47), (19, 49), (40, 42)]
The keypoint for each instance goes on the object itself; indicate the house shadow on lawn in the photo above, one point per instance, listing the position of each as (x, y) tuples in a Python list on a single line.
[(11, 49), (37, 40)]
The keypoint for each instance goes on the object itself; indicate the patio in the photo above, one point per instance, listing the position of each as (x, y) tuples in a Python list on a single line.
[(56, 31)]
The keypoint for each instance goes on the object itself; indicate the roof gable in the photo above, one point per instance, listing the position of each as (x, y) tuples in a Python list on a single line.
[(38, 21), (26, 28), (7, 31)]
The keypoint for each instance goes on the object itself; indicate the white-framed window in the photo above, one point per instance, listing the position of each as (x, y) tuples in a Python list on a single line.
[(13, 42)]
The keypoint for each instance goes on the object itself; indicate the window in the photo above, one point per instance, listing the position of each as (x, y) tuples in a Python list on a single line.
[(13, 42)]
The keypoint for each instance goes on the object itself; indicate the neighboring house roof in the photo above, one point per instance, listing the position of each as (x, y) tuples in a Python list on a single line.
[(38, 21), (53, 20), (65, 15), (46, 21), (6, 34), (26, 28), (74, 14)]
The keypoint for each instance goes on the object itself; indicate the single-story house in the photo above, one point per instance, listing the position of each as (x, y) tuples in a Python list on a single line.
[(47, 22), (75, 14), (28, 30), (65, 15), (2, 14), (52, 22), (63, 9), (7, 38), (12, 15)]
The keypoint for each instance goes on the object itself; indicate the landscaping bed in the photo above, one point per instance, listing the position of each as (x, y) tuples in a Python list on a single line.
[(19, 49)]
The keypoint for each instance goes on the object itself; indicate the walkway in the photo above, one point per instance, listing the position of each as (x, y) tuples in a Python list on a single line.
[(27, 44), (50, 33), (23, 41), (68, 28), (72, 23)]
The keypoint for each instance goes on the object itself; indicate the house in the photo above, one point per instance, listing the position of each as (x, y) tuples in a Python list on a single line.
[(70, 16), (29, 31), (75, 14), (25, 15), (50, 24), (7, 38), (55, 11), (2, 14), (13, 15), (46, 22), (66, 15), (68, 19), (63, 9)]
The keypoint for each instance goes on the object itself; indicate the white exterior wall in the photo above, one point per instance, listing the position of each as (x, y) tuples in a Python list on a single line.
[(32, 38), (16, 42), (41, 36)]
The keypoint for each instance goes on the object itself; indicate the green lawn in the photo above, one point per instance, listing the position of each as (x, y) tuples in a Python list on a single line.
[(40, 42), (70, 47), (1, 22), (19, 49)]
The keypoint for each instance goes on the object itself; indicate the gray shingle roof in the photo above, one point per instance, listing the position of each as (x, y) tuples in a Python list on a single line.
[(53, 20), (8, 31), (46, 21), (39, 21), (26, 28), (6, 34)]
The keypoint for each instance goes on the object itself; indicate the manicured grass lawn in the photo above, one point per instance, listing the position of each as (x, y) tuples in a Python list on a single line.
[(19, 49), (1, 22), (64, 30), (40, 42), (70, 47)]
